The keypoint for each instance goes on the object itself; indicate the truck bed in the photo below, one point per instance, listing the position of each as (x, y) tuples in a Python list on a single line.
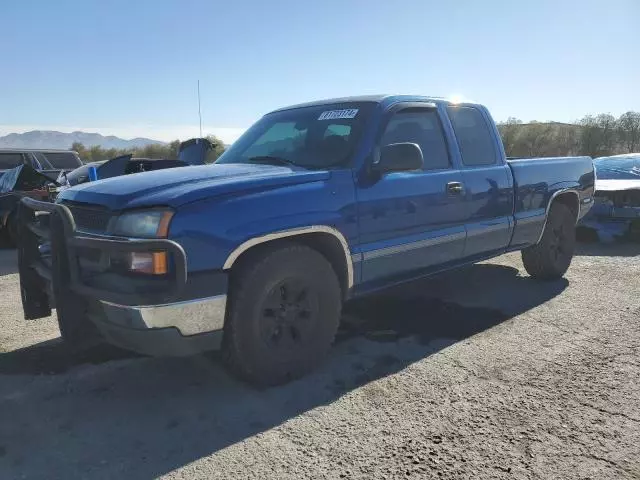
[(536, 181)]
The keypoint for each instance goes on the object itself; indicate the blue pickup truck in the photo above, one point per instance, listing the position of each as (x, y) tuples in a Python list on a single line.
[(314, 205)]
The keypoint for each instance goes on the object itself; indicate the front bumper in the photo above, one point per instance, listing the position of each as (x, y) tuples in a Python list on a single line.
[(177, 314), (610, 223), (160, 342)]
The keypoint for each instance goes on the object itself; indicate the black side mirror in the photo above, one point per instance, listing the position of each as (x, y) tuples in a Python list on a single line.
[(399, 157)]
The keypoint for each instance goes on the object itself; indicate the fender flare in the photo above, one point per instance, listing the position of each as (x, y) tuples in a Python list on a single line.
[(294, 232), (548, 209)]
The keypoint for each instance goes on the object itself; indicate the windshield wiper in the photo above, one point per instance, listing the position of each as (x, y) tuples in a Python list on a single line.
[(272, 159)]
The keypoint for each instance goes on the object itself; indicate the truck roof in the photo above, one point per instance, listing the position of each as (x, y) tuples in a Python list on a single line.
[(36, 150), (382, 99)]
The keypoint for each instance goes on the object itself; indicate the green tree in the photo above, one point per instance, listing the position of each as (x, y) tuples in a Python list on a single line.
[(565, 140), (80, 150), (173, 148), (589, 142), (216, 151), (598, 135), (535, 139), (168, 151), (96, 153), (608, 128), (509, 133), (628, 127)]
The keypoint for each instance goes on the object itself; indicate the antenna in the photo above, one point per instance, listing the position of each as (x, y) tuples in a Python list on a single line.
[(199, 111)]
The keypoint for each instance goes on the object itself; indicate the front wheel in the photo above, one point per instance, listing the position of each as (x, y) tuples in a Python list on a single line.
[(284, 312), (550, 258)]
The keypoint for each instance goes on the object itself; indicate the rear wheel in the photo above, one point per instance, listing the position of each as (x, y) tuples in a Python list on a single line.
[(551, 257), (284, 312)]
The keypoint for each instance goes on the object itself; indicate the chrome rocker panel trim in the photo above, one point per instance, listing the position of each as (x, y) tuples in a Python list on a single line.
[(428, 242)]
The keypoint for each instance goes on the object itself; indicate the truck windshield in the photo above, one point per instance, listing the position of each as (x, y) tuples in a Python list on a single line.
[(314, 137)]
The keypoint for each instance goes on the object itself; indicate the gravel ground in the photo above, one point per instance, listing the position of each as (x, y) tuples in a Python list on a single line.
[(480, 373)]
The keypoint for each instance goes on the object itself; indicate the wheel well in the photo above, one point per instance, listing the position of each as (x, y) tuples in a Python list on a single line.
[(326, 244), (570, 200)]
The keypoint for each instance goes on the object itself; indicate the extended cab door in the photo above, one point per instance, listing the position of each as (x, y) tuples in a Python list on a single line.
[(488, 182), (411, 220)]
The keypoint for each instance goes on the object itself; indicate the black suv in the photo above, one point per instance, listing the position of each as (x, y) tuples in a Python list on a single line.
[(45, 165), (47, 161)]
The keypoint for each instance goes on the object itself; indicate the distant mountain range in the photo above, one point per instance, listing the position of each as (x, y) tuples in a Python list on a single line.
[(43, 139)]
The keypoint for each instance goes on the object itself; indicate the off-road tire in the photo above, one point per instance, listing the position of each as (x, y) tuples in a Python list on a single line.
[(253, 331), (551, 257)]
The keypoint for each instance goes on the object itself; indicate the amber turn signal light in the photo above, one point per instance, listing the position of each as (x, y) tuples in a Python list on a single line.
[(151, 263)]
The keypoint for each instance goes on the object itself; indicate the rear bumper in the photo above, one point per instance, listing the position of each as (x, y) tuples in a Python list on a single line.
[(175, 315)]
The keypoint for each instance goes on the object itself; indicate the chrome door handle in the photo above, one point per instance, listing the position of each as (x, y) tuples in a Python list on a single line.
[(455, 187)]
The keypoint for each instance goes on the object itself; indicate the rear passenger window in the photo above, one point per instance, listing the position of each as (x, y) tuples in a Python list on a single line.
[(10, 160), (421, 126), (474, 137), (42, 161), (67, 160)]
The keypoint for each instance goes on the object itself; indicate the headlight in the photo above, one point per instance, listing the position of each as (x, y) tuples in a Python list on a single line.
[(144, 224)]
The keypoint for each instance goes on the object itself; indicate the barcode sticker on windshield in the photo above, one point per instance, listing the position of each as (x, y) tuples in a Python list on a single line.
[(336, 114)]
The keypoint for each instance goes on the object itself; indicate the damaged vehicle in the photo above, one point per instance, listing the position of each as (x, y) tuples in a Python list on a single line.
[(190, 152), (49, 162), (26, 181), (25, 172), (313, 205), (616, 211), (15, 184)]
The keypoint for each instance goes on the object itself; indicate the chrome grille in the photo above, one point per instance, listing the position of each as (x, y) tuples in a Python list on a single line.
[(90, 218)]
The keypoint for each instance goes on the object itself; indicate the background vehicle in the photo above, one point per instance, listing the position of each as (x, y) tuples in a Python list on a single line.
[(28, 179), (190, 152), (616, 210), (49, 162), (30, 171), (313, 205)]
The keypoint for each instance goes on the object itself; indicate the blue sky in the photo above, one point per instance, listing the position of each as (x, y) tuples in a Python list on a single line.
[(130, 67)]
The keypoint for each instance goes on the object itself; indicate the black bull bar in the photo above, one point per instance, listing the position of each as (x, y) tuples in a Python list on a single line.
[(47, 274)]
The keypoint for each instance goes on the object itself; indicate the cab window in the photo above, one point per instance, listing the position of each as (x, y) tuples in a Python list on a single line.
[(475, 140), (421, 126)]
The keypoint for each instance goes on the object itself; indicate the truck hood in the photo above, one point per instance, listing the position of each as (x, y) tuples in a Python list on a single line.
[(177, 186)]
